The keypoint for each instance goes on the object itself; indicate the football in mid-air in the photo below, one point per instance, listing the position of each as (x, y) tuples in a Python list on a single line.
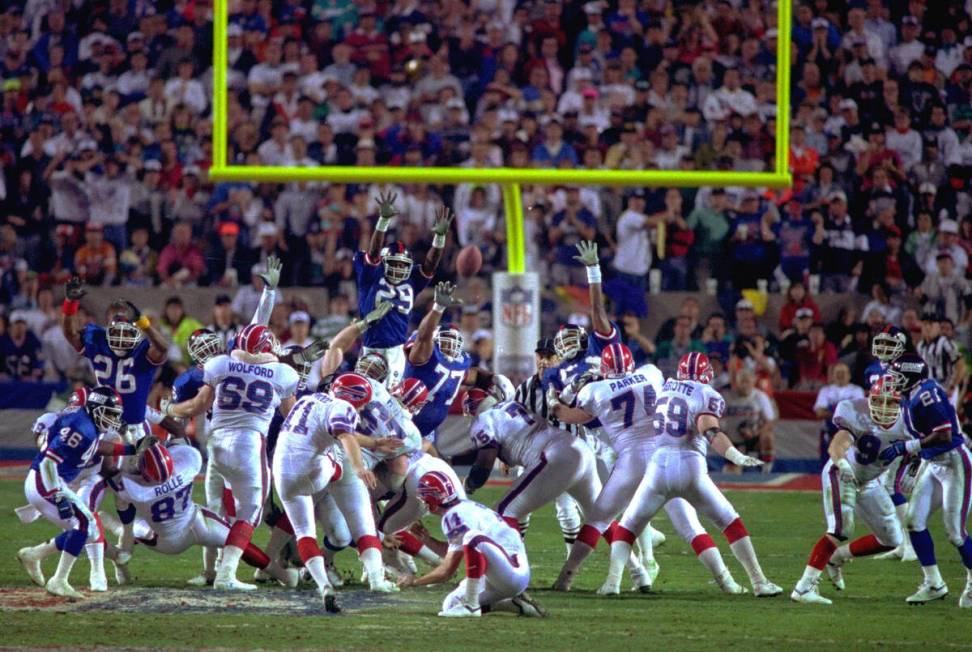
[(469, 261)]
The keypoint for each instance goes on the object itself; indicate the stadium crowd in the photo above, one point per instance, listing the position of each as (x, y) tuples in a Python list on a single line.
[(106, 122)]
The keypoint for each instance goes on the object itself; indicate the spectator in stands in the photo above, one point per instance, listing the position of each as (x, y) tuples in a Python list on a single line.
[(716, 337), (568, 227), (946, 291), (689, 309), (710, 223), (797, 298), (95, 260), (138, 263), (839, 388), (181, 262), (749, 418), (670, 351), (178, 326), (814, 359), (21, 354), (792, 340), (223, 321), (795, 234), (229, 262), (678, 242), (947, 243), (839, 246), (752, 242), (632, 258)]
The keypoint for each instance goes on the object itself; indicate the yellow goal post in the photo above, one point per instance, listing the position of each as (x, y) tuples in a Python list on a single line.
[(509, 179)]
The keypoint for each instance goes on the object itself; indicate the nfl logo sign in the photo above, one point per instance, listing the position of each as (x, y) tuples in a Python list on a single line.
[(517, 307)]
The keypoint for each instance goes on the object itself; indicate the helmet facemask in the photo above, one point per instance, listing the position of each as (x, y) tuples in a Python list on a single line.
[(884, 404), (107, 417), (123, 337), (372, 365), (205, 346), (569, 342), (887, 347), (450, 342), (398, 267)]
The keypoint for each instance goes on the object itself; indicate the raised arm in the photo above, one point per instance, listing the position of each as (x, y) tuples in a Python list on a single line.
[(421, 350), (708, 425), (563, 412), (158, 345), (587, 254), (443, 219), (386, 211), (198, 404), (73, 292), (270, 281)]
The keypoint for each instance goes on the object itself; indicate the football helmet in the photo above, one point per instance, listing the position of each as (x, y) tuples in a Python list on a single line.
[(303, 369), (413, 394), (476, 401), (204, 344), (155, 465), (616, 360), (570, 341), (435, 490), (450, 341), (695, 366), (123, 336), (255, 339), (353, 388), (397, 262), (104, 406), (889, 344), (78, 398), (372, 365), (884, 401), (908, 371)]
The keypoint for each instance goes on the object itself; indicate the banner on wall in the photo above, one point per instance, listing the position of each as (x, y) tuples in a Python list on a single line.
[(516, 323)]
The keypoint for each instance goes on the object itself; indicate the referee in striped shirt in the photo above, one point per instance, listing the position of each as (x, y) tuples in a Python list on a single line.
[(531, 393), (941, 354)]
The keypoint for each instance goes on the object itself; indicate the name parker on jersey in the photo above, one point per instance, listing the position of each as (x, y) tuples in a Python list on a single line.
[(625, 382)]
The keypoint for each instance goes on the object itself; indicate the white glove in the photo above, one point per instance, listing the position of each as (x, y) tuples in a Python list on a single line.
[(846, 471), (502, 388), (739, 459), (909, 477)]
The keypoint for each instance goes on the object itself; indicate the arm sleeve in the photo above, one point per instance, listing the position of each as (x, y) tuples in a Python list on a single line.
[(342, 420), (714, 403), (822, 401), (766, 406), (264, 307), (482, 433), (212, 370)]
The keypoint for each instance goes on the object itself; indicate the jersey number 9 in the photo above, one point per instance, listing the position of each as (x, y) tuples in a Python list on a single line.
[(258, 395), (672, 421)]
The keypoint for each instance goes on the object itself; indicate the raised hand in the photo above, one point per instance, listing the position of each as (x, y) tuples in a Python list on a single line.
[(381, 309), (64, 507), (443, 218), (133, 310), (272, 275), (587, 251), (386, 205), (312, 352), (145, 443), (74, 289), (445, 295)]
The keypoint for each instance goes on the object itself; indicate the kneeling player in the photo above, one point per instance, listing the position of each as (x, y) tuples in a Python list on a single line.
[(161, 494), (852, 485), (497, 571)]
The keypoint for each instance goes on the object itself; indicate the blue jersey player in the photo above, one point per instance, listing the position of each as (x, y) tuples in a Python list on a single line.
[(388, 274), (125, 356), (74, 439), (945, 481), (436, 358)]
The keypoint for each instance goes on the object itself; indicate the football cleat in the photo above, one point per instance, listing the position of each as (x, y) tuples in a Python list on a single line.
[(232, 584), (810, 596), (203, 579), (965, 600), (62, 589), (563, 581), (528, 607), (644, 576), (729, 585), (766, 589), (926, 593), (32, 565), (261, 576), (908, 554), (611, 586), (652, 568), (98, 582), (331, 605), (657, 537), (333, 576), (381, 585), (122, 574), (461, 610), (836, 575)]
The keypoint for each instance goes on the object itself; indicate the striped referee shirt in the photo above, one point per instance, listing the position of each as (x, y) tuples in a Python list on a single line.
[(940, 355), (533, 396)]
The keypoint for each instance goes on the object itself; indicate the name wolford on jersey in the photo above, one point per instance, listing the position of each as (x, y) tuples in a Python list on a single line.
[(247, 394)]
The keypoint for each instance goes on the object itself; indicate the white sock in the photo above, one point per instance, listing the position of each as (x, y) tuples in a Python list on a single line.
[(278, 539), (712, 560), (968, 578), (647, 552), (841, 555), (810, 577), (64, 566), (210, 553), (428, 555), (371, 560), (620, 556), (96, 555), (932, 576), (744, 552), (473, 588), (315, 566), (229, 563), (43, 550)]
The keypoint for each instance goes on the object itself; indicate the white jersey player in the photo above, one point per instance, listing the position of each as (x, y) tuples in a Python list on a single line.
[(497, 570), (317, 451), (624, 403), (685, 424), (386, 417), (243, 389), (852, 485), (161, 494)]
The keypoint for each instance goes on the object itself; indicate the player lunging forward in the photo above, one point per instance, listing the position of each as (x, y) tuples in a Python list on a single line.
[(387, 274), (685, 423), (945, 480), (852, 484), (243, 388), (497, 570)]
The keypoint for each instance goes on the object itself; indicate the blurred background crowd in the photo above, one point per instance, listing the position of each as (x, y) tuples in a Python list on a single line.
[(106, 125)]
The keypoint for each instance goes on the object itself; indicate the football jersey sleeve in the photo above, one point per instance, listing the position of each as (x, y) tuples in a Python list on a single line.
[(483, 432), (597, 342), (213, 370), (587, 399), (366, 272), (288, 381), (712, 403), (342, 418), (844, 417), (90, 339)]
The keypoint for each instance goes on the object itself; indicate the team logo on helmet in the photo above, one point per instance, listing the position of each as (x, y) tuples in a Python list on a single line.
[(413, 394), (436, 490), (78, 398), (884, 401), (889, 344), (908, 371), (372, 365), (353, 388), (255, 339), (616, 360), (476, 401), (570, 341), (450, 341), (104, 406), (695, 366), (397, 262), (155, 464), (203, 345)]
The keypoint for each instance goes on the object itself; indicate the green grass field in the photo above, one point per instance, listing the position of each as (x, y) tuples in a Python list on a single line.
[(686, 611)]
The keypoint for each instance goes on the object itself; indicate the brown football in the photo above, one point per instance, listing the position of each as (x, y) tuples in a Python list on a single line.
[(469, 261)]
